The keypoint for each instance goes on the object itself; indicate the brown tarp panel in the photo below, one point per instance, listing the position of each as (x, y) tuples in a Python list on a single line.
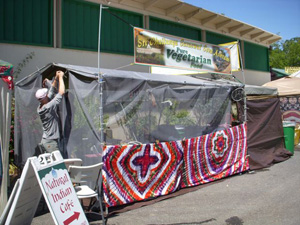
[(265, 133)]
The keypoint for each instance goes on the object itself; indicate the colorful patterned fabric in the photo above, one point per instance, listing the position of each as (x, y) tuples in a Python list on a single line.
[(137, 172), (6, 73), (6, 69), (290, 108), (215, 156)]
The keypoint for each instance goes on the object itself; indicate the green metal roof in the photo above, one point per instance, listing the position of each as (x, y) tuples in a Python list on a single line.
[(279, 72)]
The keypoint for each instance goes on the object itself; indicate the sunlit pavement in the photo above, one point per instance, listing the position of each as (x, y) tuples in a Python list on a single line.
[(266, 196)]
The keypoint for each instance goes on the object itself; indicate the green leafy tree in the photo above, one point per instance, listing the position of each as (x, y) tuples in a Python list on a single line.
[(285, 53)]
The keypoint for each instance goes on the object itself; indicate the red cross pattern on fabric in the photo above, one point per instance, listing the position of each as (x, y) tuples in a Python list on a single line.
[(136, 172), (145, 161)]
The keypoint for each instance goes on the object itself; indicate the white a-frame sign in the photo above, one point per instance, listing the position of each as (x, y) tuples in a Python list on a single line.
[(45, 175)]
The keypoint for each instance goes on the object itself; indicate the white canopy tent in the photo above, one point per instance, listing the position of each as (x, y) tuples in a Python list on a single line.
[(287, 86), (296, 74)]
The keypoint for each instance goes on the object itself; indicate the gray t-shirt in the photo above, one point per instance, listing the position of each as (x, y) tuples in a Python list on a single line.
[(49, 115)]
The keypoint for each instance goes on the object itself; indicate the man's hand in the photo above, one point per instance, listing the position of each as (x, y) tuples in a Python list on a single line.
[(46, 83), (61, 86), (59, 74)]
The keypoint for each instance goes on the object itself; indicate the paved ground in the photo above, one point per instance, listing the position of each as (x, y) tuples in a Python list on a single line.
[(269, 196)]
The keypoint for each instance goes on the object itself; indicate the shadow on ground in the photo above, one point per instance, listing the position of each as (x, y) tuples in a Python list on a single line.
[(234, 221)]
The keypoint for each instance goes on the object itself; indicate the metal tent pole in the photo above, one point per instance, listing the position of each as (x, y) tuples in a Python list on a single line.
[(100, 80), (242, 68)]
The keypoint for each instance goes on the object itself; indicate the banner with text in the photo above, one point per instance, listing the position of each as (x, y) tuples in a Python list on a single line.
[(234, 54), (152, 48)]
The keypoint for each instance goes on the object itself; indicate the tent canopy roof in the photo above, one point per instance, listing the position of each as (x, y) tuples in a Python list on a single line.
[(92, 72), (259, 90), (296, 74), (252, 89), (286, 86)]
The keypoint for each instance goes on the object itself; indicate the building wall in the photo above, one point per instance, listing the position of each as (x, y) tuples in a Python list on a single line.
[(253, 77), (72, 38), (15, 54)]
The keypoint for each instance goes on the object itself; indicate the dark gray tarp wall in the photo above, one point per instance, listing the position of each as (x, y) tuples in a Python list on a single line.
[(137, 107)]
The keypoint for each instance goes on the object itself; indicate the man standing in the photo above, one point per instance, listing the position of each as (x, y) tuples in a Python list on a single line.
[(47, 110)]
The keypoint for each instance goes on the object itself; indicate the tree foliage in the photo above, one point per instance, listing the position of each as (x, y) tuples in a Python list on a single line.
[(285, 53)]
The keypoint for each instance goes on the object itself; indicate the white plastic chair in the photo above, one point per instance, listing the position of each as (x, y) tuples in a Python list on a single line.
[(72, 162), (88, 180)]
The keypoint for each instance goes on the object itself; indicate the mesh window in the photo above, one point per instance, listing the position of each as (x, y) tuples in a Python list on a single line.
[(137, 107)]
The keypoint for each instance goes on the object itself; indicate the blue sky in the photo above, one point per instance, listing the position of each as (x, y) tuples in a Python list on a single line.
[(281, 17)]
